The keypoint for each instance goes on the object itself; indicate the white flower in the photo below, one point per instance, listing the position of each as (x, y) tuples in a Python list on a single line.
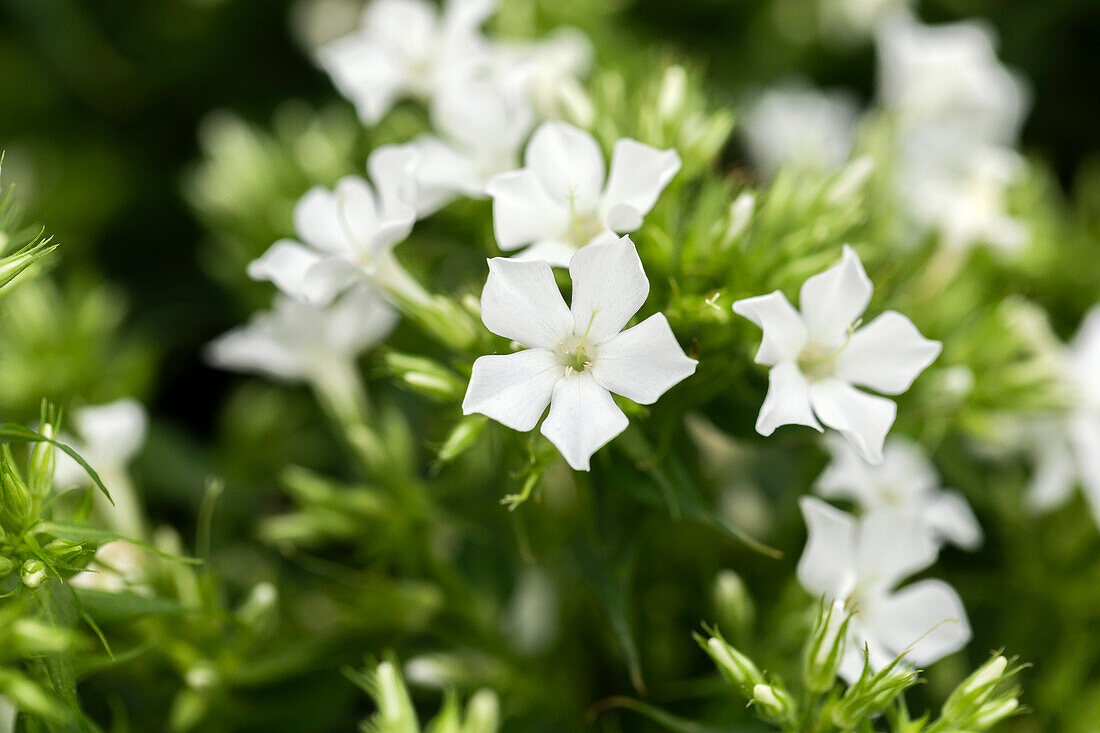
[(949, 74), (576, 356), (1067, 449), (405, 48), (905, 481), (347, 234), (818, 354), (483, 122), (118, 566), (300, 342), (861, 562), (108, 437), (795, 124), (554, 66), (559, 201)]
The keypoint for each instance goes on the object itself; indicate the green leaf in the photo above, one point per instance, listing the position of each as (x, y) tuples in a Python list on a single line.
[(108, 608), (82, 534), (16, 433)]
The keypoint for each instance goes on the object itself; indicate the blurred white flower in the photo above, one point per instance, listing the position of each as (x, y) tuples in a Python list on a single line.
[(576, 356), (861, 562), (818, 354), (1066, 449), (347, 234), (118, 566), (559, 202), (795, 124), (949, 74), (482, 123), (108, 437), (405, 48), (906, 481), (554, 66), (297, 341)]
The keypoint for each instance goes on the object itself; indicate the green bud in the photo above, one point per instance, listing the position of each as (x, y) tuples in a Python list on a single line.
[(13, 265), (732, 603), (34, 572), (994, 712), (825, 646), (40, 468), (672, 93), (17, 506), (259, 610), (734, 666), (464, 434), (872, 693), (482, 713), (773, 702), (426, 376), (7, 565), (975, 689)]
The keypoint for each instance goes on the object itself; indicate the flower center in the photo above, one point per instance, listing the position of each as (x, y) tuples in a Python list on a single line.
[(584, 225), (816, 362), (575, 353)]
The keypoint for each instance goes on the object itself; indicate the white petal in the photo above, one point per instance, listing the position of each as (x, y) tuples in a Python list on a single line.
[(365, 72), (393, 170), (832, 300), (582, 419), (952, 519), (553, 252), (609, 286), (787, 401), (926, 619), (828, 563), (892, 545), (643, 362), (638, 174), (327, 279), (568, 162), (359, 320), (1085, 434), (443, 174), (522, 302), (783, 327), (524, 211), (117, 429), (247, 349), (513, 389), (334, 221), (1055, 473), (861, 418), (285, 264), (407, 26), (623, 218), (886, 355), (847, 476)]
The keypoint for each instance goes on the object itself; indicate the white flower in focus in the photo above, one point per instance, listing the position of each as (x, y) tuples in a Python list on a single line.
[(560, 202), (1067, 449), (405, 48), (860, 563), (906, 482), (577, 355), (482, 124), (108, 437), (818, 354), (554, 66), (300, 342), (795, 124), (347, 234), (118, 566), (949, 74)]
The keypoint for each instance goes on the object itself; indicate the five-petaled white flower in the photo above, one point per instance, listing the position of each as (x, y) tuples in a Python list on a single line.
[(1067, 448), (405, 48), (906, 481), (860, 562), (297, 341), (796, 124), (818, 354), (577, 355), (348, 234), (109, 437), (559, 202)]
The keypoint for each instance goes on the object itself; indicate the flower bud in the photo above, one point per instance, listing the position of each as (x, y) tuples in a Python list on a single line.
[(734, 666), (871, 693), (17, 506), (773, 702), (464, 434), (41, 465), (740, 215), (994, 712), (975, 689), (732, 603), (34, 572), (425, 376), (825, 647), (482, 713), (258, 612), (7, 565), (672, 94)]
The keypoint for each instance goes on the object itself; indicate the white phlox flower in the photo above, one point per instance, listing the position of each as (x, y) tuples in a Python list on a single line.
[(559, 201), (906, 481), (118, 566), (405, 48), (949, 74), (108, 437), (796, 124), (1067, 449), (482, 123), (348, 234), (297, 341), (820, 353), (860, 562), (554, 65), (576, 355)]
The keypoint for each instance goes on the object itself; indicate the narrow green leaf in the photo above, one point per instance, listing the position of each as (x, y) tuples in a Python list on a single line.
[(16, 433)]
